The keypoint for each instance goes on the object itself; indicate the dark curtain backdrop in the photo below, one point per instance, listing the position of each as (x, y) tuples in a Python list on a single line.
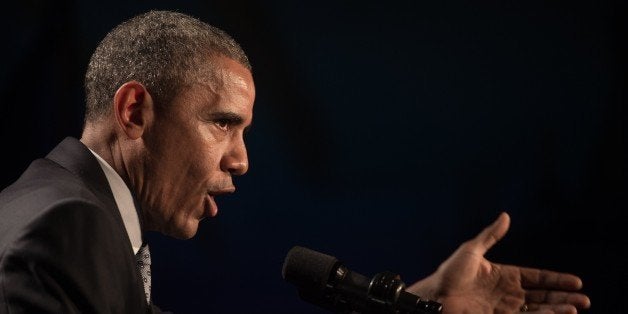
[(385, 134)]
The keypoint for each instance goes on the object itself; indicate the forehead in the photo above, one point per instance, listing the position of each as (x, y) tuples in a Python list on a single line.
[(222, 84), (218, 70)]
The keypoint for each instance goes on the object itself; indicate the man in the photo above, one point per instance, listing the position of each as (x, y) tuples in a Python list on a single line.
[(168, 101)]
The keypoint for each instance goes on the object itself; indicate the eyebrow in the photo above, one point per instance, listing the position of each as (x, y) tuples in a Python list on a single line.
[(226, 115)]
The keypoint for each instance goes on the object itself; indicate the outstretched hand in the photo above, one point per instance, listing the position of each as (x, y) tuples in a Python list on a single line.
[(469, 283)]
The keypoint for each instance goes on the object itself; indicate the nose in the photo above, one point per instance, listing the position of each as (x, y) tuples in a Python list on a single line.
[(235, 161)]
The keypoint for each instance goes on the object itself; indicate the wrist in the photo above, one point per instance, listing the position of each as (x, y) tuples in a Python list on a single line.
[(425, 289)]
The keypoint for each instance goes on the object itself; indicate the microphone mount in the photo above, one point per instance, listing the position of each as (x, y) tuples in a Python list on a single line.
[(323, 280)]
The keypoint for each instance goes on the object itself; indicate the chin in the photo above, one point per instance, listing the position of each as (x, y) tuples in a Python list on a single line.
[(183, 231)]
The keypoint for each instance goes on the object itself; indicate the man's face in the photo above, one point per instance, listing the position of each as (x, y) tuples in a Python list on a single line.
[(194, 148)]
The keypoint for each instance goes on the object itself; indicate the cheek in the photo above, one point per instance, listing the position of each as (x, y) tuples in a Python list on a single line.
[(207, 159), (192, 159), (193, 175)]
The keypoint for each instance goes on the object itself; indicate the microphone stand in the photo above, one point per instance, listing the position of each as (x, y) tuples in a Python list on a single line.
[(350, 293)]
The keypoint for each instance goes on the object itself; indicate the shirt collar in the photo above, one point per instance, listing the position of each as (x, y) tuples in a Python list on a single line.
[(124, 200)]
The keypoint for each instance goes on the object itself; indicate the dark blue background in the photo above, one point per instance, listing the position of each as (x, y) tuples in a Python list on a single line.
[(385, 134)]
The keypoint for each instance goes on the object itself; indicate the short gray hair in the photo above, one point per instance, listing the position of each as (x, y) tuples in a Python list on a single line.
[(160, 49)]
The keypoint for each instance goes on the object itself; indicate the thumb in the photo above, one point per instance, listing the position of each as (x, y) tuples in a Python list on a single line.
[(493, 233)]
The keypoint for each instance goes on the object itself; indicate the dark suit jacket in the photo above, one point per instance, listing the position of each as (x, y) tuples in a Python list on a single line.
[(63, 245)]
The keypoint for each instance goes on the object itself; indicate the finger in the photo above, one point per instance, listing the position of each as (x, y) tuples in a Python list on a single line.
[(545, 279), (556, 309), (578, 300), (493, 233), (539, 312)]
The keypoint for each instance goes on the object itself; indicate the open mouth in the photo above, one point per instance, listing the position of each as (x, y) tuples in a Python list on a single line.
[(211, 208)]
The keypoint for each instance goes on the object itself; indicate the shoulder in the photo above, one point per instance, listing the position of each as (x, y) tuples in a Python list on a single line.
[(72, 254), (39, 198), (72, 192), (66, 227), (49, 210), (62, 240)]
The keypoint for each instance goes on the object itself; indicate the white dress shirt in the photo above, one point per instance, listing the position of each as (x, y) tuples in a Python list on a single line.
[(124, 200)]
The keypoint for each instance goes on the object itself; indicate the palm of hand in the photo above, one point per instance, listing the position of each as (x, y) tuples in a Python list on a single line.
[(469, 283), (472, 284)]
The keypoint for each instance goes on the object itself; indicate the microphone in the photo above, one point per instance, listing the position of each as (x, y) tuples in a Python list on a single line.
[(326, 282)]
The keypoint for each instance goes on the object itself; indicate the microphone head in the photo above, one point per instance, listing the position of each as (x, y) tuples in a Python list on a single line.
[(308, 269)]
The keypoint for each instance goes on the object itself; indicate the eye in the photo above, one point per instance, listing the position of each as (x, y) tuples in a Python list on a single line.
[(223, 124)]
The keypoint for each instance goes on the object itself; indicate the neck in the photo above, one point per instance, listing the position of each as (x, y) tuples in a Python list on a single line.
[(116, 151), (104, 141)]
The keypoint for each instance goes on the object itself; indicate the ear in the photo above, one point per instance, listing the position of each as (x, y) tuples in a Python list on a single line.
[(133, 108)]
